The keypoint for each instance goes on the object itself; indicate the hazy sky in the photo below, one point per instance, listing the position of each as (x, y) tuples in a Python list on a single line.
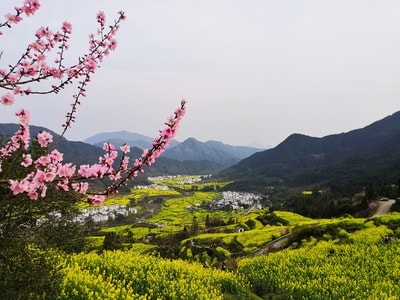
[(251, 70)]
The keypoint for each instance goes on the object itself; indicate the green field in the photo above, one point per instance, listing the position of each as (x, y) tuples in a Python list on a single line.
[(338, 258)]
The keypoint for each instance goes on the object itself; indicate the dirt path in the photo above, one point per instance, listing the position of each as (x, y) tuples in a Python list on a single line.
[(384, 207), (276, 244)]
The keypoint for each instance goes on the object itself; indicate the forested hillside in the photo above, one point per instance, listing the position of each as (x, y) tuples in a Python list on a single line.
[(370, 154)]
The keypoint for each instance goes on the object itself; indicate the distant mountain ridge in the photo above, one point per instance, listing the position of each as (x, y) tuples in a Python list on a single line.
[(360, 156), (368, 154), (122, 135), (192, 149), (80, 153), (189, 150), (76, 152), (119, 138)]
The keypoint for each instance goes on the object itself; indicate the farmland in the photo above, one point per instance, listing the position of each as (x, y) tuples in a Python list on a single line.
[(175, 233), (184, 238)]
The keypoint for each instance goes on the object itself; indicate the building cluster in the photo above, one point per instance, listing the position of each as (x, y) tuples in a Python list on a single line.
[(95, 214), (237, 201), (185, 180), (160, 178), (189, 180), (104, 213), (152, 186)]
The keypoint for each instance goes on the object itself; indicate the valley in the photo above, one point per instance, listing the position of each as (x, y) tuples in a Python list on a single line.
[(293, 222), (176, 221)]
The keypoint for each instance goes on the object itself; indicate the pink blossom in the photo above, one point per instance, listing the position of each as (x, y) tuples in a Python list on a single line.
[(85, 171), (125, 162), (13, 19), (115, 176), (101, 18), (38, 46), (27, 160), (90, 64), (44, 160), (7, 99), (113, 44), (42, 177), (138, 163), (33, 195), (30, 7), (41, 61), (108, 147), (44, 138), (42, 32), (43, 191), (63, 185), (56, 73), (17, 90), (108, 160), (80, 187), (67, 170), (16, 187), (24, 116), (96, 199), (66, 27), (125, 148), (56, 156), (11, 78), (72, 72)]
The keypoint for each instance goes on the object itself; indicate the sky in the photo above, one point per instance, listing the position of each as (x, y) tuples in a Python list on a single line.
[(253, 71)]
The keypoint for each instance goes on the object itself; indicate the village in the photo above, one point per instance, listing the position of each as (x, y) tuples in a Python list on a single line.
[(228, 201), (237, 201), (104, 213)]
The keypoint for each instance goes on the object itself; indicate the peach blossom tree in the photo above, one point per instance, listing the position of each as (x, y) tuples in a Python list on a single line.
[(33, 167), (26, 76)]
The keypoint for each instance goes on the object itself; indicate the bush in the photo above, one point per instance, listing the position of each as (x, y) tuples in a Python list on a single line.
[(27, 272)]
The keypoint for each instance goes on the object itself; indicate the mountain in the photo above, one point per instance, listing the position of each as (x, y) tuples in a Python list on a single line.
[(76, 152), (83, 153), (119, 138), (369, 154), (192, 149), (122, 135), (189, 150)]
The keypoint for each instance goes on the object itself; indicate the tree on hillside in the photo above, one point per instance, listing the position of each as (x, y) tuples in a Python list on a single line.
[(398, 188), (370, 192), (195, 226), (112, 241)]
